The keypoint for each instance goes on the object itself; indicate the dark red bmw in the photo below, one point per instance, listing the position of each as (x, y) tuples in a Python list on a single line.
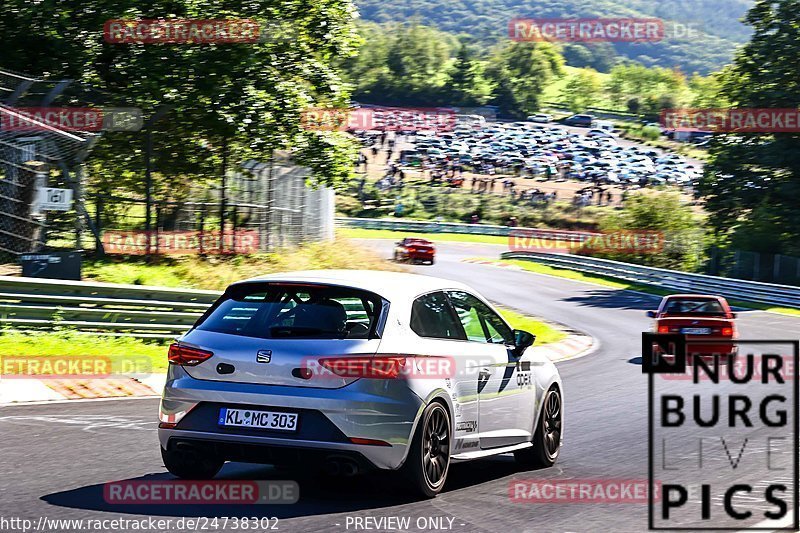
[(700, 317)]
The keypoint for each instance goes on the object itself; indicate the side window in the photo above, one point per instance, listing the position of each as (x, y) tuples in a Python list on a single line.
[(432, 316), (480, 323)]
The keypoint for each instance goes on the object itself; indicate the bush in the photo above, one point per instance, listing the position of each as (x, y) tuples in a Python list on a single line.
[(684, 236)]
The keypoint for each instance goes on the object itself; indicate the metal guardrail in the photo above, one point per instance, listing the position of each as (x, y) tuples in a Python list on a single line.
[(454, 227), (100, 308), (736, 289)]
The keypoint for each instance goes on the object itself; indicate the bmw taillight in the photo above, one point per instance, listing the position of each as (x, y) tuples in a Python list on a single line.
[(727, 332), (388, 367), (180, 354), (663, 329)]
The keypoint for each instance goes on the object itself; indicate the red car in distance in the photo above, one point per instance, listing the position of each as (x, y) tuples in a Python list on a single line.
[(700, 317), (415, 250)]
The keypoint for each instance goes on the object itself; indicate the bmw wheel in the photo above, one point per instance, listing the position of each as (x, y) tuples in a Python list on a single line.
[(428, 459), (547, 437)]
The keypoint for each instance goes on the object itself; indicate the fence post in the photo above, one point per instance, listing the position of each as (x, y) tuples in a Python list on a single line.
[(233, 226), (98, 222), (158, 224), (202, 229)]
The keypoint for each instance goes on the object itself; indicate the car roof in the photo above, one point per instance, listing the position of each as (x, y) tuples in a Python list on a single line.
[(393, 286), (695, 296)]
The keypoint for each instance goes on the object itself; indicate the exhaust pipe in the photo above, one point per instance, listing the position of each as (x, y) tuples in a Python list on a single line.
[(349, 469), (338, 466), (332, 468)]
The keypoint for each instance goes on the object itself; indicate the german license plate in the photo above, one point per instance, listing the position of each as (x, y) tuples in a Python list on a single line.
[(696, 331), (258, 419)]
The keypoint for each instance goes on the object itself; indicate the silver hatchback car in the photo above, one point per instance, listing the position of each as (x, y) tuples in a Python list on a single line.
[(357, 370)]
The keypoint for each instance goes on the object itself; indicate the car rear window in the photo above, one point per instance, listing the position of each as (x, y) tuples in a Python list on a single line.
[(694, 306), (280, 310)]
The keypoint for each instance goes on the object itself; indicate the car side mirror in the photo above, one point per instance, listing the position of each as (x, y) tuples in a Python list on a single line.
[(651, 314), (522, 341), (733, 315)]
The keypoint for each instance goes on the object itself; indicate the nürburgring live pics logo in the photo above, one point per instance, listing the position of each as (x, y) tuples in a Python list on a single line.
[(723, 445)]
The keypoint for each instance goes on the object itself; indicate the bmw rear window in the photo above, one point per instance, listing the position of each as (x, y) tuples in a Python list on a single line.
[(305, 311), (694, 306)]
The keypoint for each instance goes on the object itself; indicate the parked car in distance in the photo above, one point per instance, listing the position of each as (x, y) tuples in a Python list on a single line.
[(601, 133), (584, 121), (540, 117)]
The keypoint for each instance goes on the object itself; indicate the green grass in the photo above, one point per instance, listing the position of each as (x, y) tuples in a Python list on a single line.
[(125, 353), (625, 285), (216, 273), (545, 333), (359, 233)]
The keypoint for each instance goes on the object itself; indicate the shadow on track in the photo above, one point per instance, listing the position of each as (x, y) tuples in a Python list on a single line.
[(615, 299), (318, 495)]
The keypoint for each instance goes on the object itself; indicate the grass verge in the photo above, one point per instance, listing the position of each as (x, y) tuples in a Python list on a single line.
[(216, 273), (545, 333), (626, 285), (126, 354), (359, 233)]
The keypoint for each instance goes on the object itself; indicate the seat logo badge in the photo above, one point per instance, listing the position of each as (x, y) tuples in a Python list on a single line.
[(264, 356)]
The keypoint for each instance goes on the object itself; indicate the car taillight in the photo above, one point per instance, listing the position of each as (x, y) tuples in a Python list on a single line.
[(727, 332), (378, 367), (663, 329), (183, 355), (412, 249)]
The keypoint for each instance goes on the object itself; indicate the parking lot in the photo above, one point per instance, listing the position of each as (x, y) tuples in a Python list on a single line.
[(541, 162)]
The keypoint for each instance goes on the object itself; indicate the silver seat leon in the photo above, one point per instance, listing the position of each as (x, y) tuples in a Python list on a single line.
[(351, 371)]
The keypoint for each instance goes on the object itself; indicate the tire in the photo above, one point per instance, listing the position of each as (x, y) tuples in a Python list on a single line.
[(428, 461), (191, 464), (547, 437), (433, 261)]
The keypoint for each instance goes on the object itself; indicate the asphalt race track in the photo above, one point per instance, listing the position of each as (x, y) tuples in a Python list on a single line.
[(57, 457)]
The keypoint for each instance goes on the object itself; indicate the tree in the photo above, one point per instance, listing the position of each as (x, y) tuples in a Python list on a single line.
[(666, 213), (467, 85), (753, 180), (521, 71), (247, 96), (582, 90)]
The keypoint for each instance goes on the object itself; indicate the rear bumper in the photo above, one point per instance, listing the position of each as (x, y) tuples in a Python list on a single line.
[(383, 410), (714, 346)]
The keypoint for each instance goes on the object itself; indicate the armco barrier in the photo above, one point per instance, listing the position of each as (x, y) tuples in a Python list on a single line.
[(453, 227), (752, 291), (101, 308)]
